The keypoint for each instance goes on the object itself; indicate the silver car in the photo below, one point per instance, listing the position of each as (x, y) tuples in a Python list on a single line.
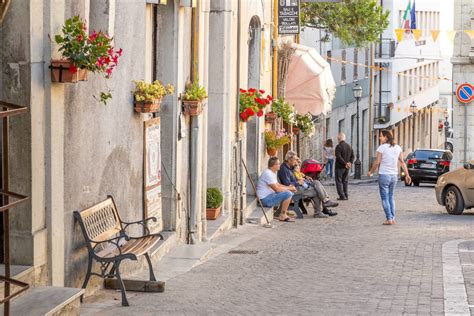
[(455, 189)]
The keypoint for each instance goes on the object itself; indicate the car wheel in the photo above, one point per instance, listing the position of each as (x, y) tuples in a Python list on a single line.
[(453, 201), (416, 184)]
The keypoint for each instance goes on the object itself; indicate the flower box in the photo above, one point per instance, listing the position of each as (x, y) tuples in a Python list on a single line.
[(64, 71), (270, 117), (272, 152), (147, 106), (213, 213), (192, 108)]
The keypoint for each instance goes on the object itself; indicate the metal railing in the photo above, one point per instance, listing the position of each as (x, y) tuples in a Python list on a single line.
[(382, 113), (385, 49)]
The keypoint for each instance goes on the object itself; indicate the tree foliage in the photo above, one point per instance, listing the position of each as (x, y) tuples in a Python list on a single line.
[(354, 22)]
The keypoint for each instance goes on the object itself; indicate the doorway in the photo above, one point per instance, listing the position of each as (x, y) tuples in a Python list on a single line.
[(252, 139)]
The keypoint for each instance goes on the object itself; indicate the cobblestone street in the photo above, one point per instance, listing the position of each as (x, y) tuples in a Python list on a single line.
[(348, 264)]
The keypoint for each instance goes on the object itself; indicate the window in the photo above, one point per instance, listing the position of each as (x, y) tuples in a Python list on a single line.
[(340, 126), (343, 67), (328, 128), (356, 66), (329, 55), (353, 129)]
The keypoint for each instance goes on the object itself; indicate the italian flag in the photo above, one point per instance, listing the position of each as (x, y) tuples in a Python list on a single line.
[(406, 17)]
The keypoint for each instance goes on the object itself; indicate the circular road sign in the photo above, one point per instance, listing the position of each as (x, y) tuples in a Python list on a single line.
[(465, 93)]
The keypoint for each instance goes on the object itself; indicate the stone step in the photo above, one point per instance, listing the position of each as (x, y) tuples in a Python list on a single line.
[(217, 227), (47, 301), (257, 217), (21, 273)]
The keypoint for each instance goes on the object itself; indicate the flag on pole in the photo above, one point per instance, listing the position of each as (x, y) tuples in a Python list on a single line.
[(413, 16), (406, 21)]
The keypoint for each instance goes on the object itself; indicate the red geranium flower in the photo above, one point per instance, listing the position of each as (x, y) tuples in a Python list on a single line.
[(93, 36), (250, 112), (80, 38), (260, 101), (243, 91), (244, 116), (252, 90), (260, 113), (73, 69), (261, 91), (119, 52), (269, 97), (267, 101)]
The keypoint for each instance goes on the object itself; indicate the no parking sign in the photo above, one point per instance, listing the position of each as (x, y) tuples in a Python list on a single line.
[(465, 93)]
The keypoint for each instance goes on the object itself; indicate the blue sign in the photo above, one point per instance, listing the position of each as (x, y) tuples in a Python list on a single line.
[(465, 93)]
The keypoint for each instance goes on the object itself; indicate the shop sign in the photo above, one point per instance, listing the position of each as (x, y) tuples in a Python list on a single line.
[(288, 17)]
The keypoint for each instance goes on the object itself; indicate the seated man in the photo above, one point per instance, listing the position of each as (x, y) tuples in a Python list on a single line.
[(271, 193), (313, 188)]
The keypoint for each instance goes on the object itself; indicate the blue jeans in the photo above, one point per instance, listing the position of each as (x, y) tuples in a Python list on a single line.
[(329, 167), (276, 198), (387, 183)]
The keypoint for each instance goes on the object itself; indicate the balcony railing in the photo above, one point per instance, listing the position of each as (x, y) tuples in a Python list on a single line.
[(385, 49), (382, 113)]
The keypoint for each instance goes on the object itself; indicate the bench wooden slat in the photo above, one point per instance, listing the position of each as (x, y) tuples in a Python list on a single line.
[(137, 246)]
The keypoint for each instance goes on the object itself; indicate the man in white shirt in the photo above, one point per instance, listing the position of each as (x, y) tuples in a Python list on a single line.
[(271, 193)]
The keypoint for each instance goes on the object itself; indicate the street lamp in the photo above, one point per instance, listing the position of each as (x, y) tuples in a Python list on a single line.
[(413, 111), (446, 128), (357, 90)]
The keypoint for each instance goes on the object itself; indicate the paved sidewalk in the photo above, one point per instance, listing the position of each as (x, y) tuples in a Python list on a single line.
[(345, 265)]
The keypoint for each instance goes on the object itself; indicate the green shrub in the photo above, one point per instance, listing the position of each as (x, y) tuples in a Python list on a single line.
[(214, 198), (194, 92)]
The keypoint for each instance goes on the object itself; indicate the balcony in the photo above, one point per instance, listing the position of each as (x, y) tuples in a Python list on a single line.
[(382, 115), (385, 49)]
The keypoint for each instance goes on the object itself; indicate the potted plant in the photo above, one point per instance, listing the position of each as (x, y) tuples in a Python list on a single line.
[(275, 140), (284, 110), (148, 96), (270, 117), (194, 94), (213, 203), (304, 123), (252, 102), (82, 52)]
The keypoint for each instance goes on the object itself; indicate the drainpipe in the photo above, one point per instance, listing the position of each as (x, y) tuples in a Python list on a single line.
[(195, 157), (371, 98), (275, 49)]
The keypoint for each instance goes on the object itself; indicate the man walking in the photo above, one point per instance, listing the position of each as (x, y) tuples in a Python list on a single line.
[(344, 160), (314, 190), (271, 193)]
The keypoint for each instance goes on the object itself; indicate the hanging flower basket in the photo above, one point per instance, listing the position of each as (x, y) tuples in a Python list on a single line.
[(148, 107), (270, 117), (296, 130), (192, 108), (63, 70), (272, 152)]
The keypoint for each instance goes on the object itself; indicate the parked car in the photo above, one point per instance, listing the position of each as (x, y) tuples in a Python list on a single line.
[(455, 189), (426, 165)]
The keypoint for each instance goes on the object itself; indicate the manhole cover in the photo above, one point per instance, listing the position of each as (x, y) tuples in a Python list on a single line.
[(243, 252)]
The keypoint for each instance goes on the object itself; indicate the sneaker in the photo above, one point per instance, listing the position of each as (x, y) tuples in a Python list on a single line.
[(342, 198), (329, 212), (320, 215), (330, 203)]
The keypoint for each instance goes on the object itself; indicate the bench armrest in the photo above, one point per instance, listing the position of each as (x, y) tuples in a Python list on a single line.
[(113, 241), (140, 222)]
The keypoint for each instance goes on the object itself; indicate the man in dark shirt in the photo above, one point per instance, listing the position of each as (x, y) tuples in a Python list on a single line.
[(344, 160), (315, 191)]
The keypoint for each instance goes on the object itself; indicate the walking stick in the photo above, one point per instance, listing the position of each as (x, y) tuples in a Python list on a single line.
[(268, 224)]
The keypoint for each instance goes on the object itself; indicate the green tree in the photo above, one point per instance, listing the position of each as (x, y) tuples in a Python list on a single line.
[(354, 22)]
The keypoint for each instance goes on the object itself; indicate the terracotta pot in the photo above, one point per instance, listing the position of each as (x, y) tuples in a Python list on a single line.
[(296, 130), (270, 117), (213, 213), (60, 72), (272, 152), (192, 108), (147, 106)]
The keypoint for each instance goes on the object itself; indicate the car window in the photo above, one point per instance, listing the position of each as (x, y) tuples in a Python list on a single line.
[(428, 154)]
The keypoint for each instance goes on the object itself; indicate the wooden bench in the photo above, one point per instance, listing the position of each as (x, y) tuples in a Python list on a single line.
[(109, 243)]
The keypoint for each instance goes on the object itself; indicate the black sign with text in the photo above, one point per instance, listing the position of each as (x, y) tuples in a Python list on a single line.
[(288, 17)]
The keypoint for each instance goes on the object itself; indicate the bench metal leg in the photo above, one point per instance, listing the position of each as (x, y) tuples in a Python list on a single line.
[(152, 275), (122, 286), (88, 275)]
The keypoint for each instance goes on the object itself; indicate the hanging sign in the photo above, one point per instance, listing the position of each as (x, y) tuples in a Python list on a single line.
[(465, 93), (288, 17)]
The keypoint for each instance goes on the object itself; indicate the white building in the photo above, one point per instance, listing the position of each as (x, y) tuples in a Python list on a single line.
[(407, 91)]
